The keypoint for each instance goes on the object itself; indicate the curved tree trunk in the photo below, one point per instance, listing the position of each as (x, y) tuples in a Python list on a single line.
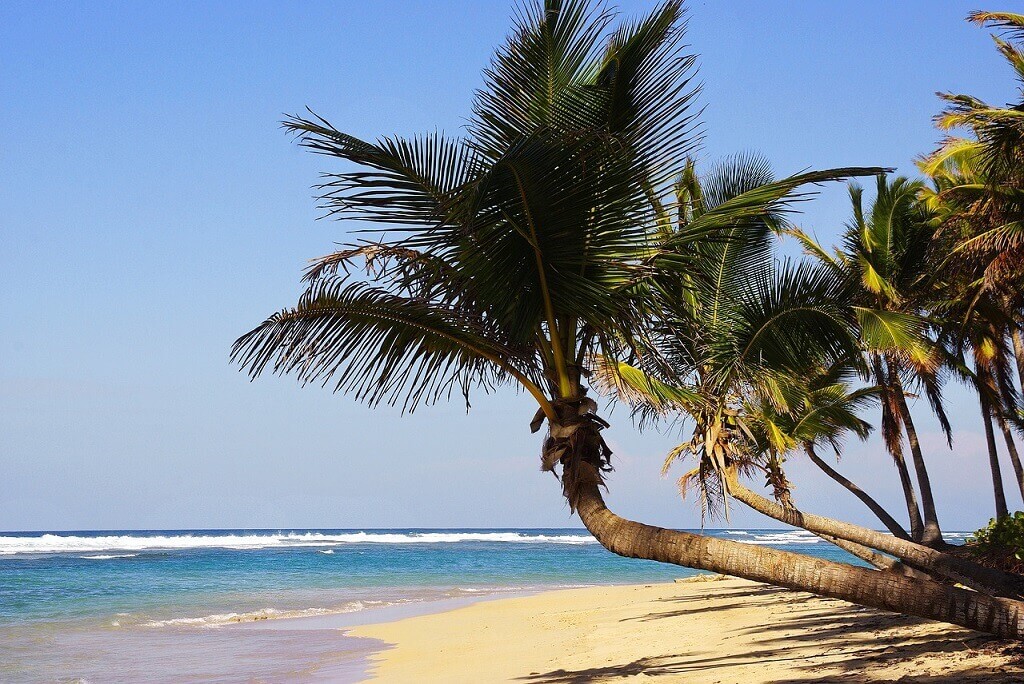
[(926, 558), (873, 558), (1011, 445), (909, 495), (993, 457), (1011, 449), (931, 534), (885, 590), (883, 515)]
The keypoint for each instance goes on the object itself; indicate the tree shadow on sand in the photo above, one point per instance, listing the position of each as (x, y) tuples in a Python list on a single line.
[(851, 644)]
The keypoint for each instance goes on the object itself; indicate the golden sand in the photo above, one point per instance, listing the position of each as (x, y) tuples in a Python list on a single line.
[(722, 632)]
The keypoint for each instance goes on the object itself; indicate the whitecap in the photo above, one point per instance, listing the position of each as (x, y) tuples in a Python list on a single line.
[(56, 543)]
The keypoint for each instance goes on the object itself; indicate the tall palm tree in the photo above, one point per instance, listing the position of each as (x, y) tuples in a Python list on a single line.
[(884, 260), (974, 323), (532, 245), (980, 180), (978, 196)]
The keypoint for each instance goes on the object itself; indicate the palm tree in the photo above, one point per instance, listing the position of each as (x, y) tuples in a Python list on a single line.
[(758, 354), (974, 322), (884, 260), (980, 181), (532, 245), (823, 409), (978, 196)]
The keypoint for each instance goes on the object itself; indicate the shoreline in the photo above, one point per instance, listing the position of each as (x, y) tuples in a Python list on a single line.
[(701, 631)]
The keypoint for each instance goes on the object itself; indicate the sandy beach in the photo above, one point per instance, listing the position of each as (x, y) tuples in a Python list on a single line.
[(714, 632)]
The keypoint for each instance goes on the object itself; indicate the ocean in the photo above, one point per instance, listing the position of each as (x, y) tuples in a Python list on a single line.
[(267, 605)]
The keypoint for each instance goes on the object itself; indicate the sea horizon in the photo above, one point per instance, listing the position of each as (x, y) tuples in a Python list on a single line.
[(207, 603)]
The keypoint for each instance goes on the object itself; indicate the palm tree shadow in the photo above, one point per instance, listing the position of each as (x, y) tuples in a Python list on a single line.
[(851, 644), (854, 667)]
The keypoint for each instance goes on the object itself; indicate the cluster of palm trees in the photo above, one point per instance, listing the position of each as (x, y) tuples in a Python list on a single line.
[(567, 242)]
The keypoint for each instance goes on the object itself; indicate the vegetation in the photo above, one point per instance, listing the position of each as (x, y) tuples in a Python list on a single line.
[(1001, 542), (568, 241)]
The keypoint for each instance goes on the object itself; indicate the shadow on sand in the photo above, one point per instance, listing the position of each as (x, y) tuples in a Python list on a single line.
[(849, 642)]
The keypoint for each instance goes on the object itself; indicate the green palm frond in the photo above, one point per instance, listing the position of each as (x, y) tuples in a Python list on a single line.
[(378, 346), (649, 397), (895, 332)]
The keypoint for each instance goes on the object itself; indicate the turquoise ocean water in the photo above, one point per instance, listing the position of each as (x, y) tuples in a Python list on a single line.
[(267, 605)]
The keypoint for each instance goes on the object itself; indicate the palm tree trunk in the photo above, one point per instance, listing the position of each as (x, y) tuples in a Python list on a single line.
[(993, 456), (909, 495), (931, 534), (873, 558), (1018, 352), (883, 515), (1011, 449), (885, 590), (916, 555)]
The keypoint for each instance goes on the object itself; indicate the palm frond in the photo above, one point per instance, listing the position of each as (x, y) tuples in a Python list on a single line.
[(378, 346)]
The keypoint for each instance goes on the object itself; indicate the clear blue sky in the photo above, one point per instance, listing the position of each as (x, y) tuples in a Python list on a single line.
[(151, 210)]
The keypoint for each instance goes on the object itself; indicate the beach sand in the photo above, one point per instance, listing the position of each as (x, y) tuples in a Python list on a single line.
[(724, 631)]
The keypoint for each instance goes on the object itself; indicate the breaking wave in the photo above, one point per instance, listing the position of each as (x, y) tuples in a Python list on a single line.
[(782, 538), (222, 619), (56, 543)]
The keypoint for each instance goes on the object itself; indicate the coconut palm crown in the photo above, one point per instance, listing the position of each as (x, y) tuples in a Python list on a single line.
[(514, 253)]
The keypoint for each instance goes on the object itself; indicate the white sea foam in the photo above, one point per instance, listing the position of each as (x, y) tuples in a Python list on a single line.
[(222, 619), (125, 546), (56, 543), (794, 538)]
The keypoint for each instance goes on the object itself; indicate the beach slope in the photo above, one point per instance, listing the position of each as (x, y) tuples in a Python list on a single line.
[(720, 632)]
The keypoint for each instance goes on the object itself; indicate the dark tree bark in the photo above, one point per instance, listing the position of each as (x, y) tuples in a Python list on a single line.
[(1011, 449), (993, 457), (909, 494), (931, 534), (883, 515)]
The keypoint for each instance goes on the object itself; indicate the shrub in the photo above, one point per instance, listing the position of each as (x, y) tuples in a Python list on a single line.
[(1001, 542)]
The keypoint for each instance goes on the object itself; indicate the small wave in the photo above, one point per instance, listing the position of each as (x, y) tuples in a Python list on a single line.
[(55, 543), (326, 551), (794, 538), (108, 556), (223, 619), (739, 533)]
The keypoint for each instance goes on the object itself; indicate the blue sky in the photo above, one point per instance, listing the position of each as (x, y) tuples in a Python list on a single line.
[(151, 210)]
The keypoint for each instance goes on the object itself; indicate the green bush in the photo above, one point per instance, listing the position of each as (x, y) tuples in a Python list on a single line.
[(1002, 536)]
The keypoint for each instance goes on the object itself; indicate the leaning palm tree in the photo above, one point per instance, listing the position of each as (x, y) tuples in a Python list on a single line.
[(758, 353), (822, 411), (884, 259), (531, 245)]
